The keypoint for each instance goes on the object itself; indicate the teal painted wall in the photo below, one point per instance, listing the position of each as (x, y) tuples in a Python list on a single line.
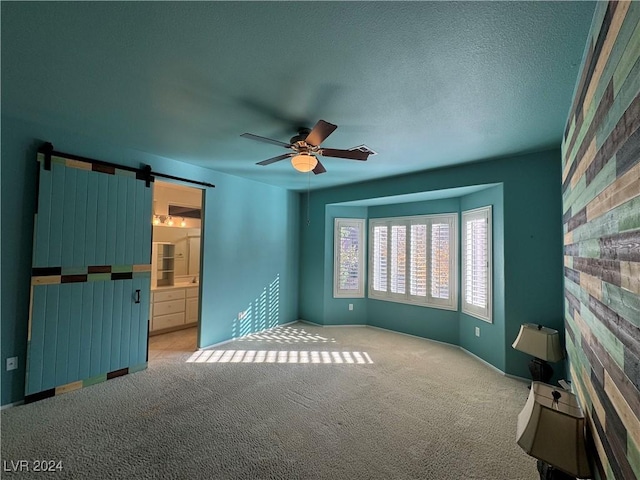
[(532, 273), (312, 259), (490, 345), (250, 262), (533, 253), (449, 205), (250, 242)]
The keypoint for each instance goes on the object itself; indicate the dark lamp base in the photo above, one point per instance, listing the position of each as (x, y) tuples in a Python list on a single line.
[(547, 472), (540, 370)]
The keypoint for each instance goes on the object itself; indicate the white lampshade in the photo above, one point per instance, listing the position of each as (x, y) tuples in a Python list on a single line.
[(539, 341), (553, 431), (304, 162)]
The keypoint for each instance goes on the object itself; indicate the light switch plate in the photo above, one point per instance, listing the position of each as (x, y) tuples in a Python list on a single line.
[(12, 363), (351, 306), (477, 331)]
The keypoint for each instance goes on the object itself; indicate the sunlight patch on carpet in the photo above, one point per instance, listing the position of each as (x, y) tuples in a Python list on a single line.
[(279, 356)]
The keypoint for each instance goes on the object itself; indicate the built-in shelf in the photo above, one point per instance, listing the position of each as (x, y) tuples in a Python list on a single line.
[(163, 258)]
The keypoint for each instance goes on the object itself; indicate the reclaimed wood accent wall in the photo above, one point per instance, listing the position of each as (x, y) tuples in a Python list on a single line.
[(601, 205)]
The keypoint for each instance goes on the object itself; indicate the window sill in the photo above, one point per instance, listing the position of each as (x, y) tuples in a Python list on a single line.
[(415, 303)]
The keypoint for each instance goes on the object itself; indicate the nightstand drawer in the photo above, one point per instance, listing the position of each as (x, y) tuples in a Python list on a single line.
[(165, 308), (168, 295)]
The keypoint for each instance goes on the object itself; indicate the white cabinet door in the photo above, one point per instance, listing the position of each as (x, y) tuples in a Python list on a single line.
[(192, 310)]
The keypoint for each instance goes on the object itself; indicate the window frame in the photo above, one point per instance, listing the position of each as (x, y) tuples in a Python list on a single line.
[(337, 225), (407, 298), (485, 314)]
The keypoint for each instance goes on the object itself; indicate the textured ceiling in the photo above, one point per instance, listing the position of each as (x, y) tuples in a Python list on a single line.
[(424, 84)]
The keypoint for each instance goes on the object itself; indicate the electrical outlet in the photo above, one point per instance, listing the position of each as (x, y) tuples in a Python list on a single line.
[(12, 363), (477, 331), (351, 306)]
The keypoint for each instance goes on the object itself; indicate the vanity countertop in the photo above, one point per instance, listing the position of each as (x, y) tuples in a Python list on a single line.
[(178, 285)]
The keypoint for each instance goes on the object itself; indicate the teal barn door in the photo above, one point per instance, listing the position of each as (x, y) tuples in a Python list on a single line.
[(90, 283)]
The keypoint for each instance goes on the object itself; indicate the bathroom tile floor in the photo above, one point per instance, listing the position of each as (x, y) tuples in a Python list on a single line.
[(173, 345)]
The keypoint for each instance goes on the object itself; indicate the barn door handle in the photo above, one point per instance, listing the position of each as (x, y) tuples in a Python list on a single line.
[(137, 300)]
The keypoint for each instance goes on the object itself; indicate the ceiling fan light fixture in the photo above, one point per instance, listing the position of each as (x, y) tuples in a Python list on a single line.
[(304, 162)]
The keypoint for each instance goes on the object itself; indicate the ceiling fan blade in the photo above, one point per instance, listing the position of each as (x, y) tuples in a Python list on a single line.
[(348, 154), (319, 169), (269, 161), (251, 136), (320, 132)]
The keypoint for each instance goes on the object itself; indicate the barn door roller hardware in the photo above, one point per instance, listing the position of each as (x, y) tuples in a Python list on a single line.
[(145, 173)]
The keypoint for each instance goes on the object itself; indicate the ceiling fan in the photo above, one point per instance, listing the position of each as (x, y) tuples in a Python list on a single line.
[(305, 148)]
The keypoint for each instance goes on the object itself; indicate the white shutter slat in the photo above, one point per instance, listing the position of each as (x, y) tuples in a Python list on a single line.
[(418, 267), (398, 258), (440, 260)]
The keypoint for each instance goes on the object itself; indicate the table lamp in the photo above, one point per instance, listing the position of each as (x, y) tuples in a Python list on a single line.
[(544, 344), (551, 429)]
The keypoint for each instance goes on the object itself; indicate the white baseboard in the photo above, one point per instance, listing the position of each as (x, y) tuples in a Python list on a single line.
[(310, 323), (252, 333), (516, 377), (9, 405), (493, 367), (414, 336), (340, 326), (331, 326), (285, 324)]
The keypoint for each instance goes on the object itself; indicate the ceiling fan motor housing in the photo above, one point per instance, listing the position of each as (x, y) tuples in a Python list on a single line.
[(301, 136)]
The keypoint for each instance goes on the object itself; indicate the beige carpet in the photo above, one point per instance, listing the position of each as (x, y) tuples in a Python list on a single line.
[(296, 402)]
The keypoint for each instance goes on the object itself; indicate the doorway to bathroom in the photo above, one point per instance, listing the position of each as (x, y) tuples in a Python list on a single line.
[(176, 258)]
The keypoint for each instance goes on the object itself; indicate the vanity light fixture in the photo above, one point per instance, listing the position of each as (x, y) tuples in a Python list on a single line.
[(166, 220)]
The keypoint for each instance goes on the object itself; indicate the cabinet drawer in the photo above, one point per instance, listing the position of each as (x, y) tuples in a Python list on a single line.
[(163, 296), (192, 292), (166, 321), (165, 308)]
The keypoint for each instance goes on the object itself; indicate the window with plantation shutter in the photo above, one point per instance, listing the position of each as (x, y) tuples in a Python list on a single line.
[(476, 263), (349, 258), (413, 260), (379, 267), (398, 258), (440, 240)]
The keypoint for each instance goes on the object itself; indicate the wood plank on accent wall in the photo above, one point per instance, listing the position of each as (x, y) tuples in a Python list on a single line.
[(601, 205)]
